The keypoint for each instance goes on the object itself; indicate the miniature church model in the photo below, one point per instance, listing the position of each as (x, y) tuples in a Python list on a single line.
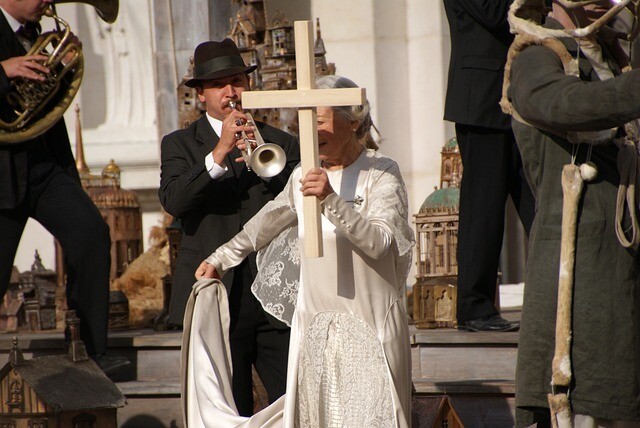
[(190, 108), (435, 292), (57, 391), (31, 300), (119, 208), (267, 41), (269, 44)]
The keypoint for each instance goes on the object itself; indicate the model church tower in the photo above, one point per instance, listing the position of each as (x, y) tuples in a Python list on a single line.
[(435, 291)]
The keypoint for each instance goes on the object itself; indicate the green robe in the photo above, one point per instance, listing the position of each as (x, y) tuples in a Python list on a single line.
[(606, 311)]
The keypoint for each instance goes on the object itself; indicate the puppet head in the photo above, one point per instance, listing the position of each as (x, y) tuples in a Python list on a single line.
[(525, 17)]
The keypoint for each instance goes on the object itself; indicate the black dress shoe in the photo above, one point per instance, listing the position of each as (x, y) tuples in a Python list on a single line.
[(110, 365), (490, 323)]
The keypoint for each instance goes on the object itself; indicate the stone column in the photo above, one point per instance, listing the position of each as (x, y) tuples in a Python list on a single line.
[(179, 27)]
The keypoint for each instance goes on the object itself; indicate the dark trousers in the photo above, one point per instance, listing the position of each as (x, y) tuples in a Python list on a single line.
[(254, 341), (60, 204), (492, 170)]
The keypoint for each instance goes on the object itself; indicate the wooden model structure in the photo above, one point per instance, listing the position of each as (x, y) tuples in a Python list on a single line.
[(57, 391), (272, 49), (174, 237), (190, 108), (279, 69), (12, 308), (269, 43), (119, 208), (31, 300), (435, 412), (38, 288), (435, 292), (322, 67), (118, 310)]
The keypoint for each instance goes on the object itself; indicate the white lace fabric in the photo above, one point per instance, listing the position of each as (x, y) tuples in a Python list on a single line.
[(343, 378), (278, 279)]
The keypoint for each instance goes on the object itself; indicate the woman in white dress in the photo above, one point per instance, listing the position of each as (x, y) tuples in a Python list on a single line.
[(349, 360)]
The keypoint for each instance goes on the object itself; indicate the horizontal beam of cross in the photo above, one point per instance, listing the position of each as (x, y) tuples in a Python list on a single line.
[(300, 98)]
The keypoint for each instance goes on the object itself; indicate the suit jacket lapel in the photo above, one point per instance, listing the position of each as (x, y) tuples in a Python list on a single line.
[(10, 45)]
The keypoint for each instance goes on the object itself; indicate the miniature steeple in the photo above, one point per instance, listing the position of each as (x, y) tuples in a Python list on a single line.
[(37, 265), (319, 45), (81, 164), (15, 355), (77, 350)]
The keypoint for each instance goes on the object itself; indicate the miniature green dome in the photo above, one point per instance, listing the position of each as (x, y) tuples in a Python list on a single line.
[(440, 199), (452, 144)]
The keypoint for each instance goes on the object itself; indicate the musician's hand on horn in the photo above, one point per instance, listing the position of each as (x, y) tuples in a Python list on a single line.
[(28, 67), (316, 183)]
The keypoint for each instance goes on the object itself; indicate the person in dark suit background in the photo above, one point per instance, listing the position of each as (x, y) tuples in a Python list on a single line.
[(480, 39), (39, 179), (206, 185)]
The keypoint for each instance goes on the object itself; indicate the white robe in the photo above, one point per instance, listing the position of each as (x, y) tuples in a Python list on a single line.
[(349, 355)]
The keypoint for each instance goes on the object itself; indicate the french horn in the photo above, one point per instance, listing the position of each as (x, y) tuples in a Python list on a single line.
[(37, 106)]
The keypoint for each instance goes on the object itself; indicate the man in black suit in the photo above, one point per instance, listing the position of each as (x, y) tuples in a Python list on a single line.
[(492, 166), (206, 185), (39, 179)]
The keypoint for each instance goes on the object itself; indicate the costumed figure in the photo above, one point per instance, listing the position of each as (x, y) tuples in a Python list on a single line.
[(349, 358), (575, 105)]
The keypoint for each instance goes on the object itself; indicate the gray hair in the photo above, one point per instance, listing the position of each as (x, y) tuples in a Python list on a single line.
[(351, 113)]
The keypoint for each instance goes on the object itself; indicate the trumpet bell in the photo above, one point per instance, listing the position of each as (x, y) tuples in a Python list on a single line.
[(267, 160)]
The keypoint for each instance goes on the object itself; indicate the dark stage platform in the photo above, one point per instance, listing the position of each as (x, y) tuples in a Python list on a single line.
[(476, 371)]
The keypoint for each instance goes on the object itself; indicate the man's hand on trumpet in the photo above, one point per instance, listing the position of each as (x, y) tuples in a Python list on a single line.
[(232, 127)]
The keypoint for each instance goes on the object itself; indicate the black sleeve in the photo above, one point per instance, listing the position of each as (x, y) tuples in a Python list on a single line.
[(491, 14), (183, 187)]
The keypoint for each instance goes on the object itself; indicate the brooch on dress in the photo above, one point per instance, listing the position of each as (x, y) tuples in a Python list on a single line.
[(357, 201)]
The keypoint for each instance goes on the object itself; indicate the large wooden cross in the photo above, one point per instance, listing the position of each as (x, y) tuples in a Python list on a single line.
[(305, 98)]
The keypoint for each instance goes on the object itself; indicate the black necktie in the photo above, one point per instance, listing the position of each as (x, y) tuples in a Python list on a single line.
[(29, 31)]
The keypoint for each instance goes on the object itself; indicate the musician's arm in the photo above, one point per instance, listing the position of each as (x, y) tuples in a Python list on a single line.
[(4, 83), (184, 185), (546, 97)]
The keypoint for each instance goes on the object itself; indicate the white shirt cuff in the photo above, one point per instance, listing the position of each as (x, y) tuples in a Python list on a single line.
[(215, 171)]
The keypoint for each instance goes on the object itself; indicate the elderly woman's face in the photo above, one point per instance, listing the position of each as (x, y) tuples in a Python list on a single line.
[(334, 135)]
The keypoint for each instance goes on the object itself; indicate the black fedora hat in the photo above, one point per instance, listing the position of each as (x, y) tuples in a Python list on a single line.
[(213, 60)]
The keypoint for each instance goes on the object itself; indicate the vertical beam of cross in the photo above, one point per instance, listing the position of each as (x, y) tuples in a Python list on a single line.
[(306, 99)]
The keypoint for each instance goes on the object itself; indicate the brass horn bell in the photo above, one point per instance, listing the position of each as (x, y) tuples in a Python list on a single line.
[(33, 107), (107, 9)]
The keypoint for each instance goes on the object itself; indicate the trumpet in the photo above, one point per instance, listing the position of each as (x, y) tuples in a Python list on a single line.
[(266, 159)]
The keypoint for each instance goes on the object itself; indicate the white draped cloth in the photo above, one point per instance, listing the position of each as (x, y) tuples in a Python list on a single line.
[(349, 356)]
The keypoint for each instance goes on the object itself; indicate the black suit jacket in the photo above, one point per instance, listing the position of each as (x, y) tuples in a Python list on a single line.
[(53, 144), (480, 39), (212, 211)]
